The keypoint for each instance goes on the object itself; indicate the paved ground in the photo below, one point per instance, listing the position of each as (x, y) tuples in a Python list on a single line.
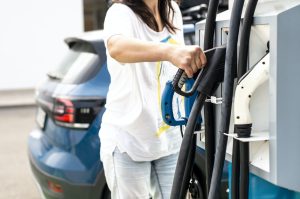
[(16, 181), (20, 97)]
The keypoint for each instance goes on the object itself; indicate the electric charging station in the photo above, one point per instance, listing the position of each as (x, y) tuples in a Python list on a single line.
[(249, 93), (274, 142)]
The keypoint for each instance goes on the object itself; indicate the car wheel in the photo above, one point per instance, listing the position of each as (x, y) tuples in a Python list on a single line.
[(195, 189)]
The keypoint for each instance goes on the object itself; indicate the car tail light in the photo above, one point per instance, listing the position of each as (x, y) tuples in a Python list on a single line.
[(64, 111), (76, 113), (57, 188)]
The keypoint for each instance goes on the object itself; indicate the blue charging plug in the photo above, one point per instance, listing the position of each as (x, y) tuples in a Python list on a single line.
[(167, 104)]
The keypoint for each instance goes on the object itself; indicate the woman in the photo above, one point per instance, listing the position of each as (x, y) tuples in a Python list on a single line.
[(145, 48)]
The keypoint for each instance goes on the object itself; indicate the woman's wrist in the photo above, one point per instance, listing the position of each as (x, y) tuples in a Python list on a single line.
[(167, 52)]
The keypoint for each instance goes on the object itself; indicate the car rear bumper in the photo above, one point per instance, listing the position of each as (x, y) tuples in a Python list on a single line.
[(46, 173), (70, 191)]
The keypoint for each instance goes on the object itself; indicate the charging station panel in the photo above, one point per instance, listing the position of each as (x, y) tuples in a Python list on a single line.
[(276, 118)]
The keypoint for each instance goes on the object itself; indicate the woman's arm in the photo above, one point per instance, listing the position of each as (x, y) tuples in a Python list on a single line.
[(129, 50)]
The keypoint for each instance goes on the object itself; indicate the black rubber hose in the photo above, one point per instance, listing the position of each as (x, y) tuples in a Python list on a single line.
[(235, 170), (209, 142), (245, 38), (229, 73), (188, 169), (242, 68), (186, 147), (244, 172), (209, 115), (210, 24)]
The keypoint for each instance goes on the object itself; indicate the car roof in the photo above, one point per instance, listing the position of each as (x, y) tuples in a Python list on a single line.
[(93, 38)]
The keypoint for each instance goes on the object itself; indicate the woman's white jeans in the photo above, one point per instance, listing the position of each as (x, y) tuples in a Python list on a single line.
[(128, 179)]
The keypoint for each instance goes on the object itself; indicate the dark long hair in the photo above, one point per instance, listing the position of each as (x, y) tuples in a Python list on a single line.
[(141, 9)]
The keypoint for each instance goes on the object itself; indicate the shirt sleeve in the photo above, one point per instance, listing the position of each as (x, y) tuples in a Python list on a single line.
[(119, 20)]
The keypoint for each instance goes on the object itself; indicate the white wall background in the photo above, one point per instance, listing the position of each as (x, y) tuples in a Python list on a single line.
[(31, 38)]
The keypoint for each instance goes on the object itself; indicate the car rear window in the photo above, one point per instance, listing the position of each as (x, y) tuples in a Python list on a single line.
[(84, 68), (61, 69), (79, 65)]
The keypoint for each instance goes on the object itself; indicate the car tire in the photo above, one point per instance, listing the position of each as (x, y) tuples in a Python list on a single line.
[(196, 187)]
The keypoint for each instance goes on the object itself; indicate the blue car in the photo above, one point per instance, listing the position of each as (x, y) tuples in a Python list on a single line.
[(64, 147)]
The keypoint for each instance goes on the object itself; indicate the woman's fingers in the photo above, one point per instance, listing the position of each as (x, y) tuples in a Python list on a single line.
[(203, 58), (197, 59), (188, 70), (194, 64), (188, 58)]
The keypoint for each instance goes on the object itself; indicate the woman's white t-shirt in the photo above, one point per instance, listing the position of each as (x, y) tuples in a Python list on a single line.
[(132, 120)]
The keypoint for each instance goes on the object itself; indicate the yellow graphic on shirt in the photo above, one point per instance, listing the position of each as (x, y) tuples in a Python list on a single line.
[(163, 127)]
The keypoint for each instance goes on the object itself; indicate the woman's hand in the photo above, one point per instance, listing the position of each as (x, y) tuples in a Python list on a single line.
[(188, 58)]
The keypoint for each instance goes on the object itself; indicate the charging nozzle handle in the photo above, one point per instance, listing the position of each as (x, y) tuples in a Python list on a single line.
[(179, 80), (167, 107), (181, 77)]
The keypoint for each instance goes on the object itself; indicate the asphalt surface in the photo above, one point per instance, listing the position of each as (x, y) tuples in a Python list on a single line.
[(16, 179)]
